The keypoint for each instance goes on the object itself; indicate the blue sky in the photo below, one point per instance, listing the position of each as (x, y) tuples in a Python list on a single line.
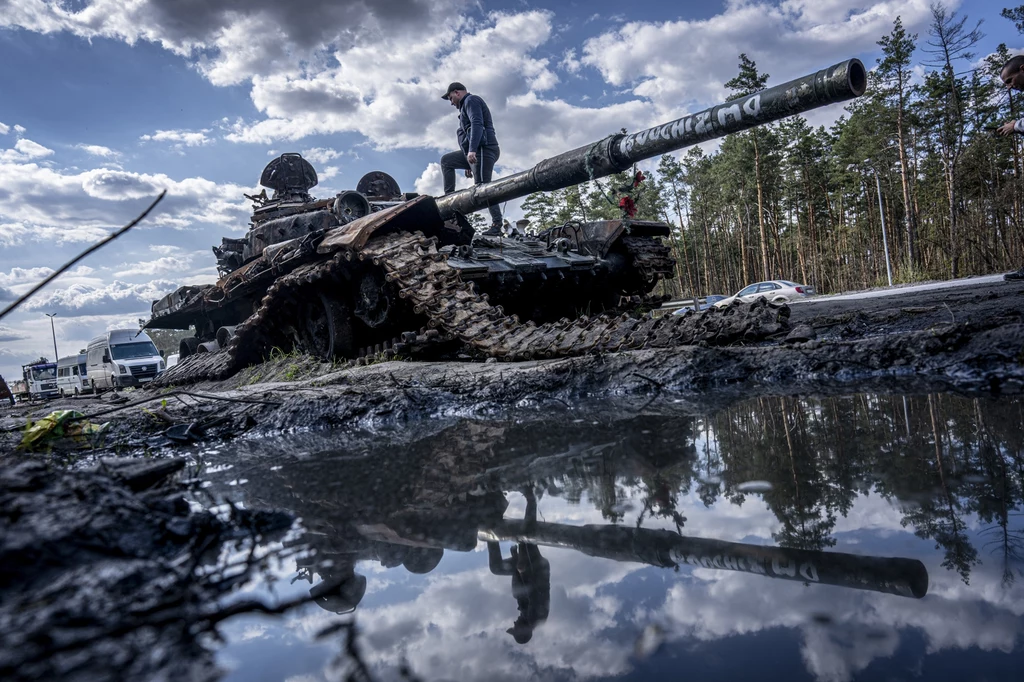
[(103, 103)]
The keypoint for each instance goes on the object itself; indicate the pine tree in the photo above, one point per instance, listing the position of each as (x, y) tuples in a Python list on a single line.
[(675, 194), (747, 82), (949, 43), (894, 72)]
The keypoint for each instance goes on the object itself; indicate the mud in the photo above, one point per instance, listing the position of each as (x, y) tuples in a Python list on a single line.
[(964, 340), (107, 574)]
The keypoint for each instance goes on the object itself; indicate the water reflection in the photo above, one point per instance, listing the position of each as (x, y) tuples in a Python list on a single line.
[(813, 516), (531, 573)]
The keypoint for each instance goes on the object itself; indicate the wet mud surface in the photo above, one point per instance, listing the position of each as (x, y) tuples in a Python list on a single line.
[(107, 573), (967, 339)]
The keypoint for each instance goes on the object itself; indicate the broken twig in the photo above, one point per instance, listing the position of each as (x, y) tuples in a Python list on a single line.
[(59, 271)]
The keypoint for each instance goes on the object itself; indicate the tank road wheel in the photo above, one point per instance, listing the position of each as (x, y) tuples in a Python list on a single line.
[(373, 299), (187, 346), (324, 327)]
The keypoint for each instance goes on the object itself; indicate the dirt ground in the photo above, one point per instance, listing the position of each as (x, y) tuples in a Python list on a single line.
[(965, 339)]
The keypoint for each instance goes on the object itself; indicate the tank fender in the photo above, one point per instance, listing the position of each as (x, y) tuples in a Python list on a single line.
[(418, 214)]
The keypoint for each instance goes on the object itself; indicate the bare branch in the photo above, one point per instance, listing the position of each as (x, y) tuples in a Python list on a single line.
[(80, 256)]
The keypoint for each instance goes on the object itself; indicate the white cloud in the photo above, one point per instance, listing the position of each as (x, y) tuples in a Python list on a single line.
[(164, 249), (319, 155), (24, 150), (361, 93), (45, 205), (430, 180), (161, 266), (24, 276), (232, 40), (7, 334), (116, 298), (787, 41), (570, 62), (186, 138), (4, 129), (98, 150)]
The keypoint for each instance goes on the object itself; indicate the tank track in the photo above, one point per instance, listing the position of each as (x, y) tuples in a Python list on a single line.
[(650, 257), (456, 313)]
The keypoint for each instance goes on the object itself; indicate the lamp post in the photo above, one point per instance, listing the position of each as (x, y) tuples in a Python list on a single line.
[(881, 216), (52, 331), (885, 237)]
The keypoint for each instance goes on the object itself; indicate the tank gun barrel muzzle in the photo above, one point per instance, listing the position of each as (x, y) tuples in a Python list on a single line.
[(837, 83)]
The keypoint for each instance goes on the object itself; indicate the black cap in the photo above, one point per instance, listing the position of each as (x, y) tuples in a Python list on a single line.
[(453, 86)]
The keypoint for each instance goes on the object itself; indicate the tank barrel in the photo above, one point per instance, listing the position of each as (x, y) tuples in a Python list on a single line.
[(665, 549), (616, 153)]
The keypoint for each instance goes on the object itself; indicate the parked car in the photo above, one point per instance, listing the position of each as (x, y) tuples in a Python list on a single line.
[(122, 357), (708, 302), (776, 291), (72, 378)]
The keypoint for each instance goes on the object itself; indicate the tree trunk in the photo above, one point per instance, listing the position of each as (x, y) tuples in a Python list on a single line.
[(909, 218), (760, 207)]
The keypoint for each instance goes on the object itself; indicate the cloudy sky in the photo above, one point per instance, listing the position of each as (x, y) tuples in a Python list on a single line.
[(104, 103)]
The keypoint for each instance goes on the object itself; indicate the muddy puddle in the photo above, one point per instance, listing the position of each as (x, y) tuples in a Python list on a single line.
[(858, 537)]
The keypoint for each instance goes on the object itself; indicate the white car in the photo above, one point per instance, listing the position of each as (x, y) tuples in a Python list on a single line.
[(776, 291)]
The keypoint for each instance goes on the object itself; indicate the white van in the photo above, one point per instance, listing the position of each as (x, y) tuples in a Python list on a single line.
[(71, 376), (122, 357)]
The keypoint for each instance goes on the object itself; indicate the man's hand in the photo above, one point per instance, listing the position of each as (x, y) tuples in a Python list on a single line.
[(1006, 128), (471, 157), (469, 173)]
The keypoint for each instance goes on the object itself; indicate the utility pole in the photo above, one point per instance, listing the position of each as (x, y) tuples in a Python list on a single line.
[(881, 215), (52, 331)]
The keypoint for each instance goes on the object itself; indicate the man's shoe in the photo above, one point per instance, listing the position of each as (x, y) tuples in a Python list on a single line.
[(1014, 276), (492, 231)]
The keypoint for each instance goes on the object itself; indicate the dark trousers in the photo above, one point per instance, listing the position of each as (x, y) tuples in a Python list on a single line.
[(482, 171)]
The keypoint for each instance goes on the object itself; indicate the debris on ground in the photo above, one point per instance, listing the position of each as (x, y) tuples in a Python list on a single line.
[(108, 573), (64, 429)]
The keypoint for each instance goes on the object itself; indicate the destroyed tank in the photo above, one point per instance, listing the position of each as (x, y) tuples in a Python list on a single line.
[(377, 272)]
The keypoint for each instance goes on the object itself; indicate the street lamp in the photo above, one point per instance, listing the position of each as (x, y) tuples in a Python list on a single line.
[(881, 215), (52, 331)]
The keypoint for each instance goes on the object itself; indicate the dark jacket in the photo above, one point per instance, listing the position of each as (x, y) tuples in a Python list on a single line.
[(476, 124)]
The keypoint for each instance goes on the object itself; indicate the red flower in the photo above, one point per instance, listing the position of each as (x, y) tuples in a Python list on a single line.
[(640, 177), (628, 206)]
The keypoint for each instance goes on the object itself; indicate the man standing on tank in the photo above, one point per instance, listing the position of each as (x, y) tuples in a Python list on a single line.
[(1012, 75), (479, 146)]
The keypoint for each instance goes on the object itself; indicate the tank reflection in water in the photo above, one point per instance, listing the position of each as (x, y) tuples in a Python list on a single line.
[(860, 537)]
